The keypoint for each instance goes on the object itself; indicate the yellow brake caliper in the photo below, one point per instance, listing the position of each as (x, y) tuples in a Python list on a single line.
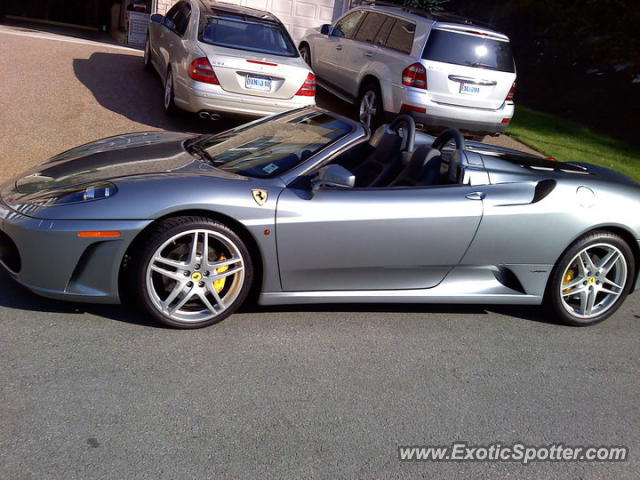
[(219, 284), (570, 275)]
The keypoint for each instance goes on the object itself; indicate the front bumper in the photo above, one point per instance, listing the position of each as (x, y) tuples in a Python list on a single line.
[(473, 120), (198, 96), (54, 262)]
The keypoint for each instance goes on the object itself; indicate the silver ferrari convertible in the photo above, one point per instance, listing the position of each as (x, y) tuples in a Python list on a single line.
[(310, 207)]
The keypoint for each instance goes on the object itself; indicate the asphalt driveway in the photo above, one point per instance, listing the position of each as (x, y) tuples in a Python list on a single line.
[(98, 392)]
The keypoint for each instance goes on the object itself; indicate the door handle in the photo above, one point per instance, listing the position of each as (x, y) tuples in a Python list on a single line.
[(475, 195), (338, 47), (368, 54)]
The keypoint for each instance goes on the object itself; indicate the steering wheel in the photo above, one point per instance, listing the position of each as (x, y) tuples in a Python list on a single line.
[(405, 121), (444, 138)]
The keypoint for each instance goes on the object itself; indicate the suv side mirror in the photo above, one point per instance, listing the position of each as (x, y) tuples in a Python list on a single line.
[(157, 18), (325, 29), (333, 176)]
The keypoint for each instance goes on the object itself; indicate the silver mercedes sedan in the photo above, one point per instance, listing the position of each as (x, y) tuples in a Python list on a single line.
[(216, 58)]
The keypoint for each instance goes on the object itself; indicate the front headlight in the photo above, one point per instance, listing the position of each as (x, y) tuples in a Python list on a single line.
[(84, 193)]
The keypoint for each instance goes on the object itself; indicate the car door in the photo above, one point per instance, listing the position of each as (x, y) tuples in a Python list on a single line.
[(161, 43), (173, 50), (156, 29), (373, 239), (328, 58), (359, 52)]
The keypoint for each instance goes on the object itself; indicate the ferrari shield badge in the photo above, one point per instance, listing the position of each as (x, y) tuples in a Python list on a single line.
[(260, 196)]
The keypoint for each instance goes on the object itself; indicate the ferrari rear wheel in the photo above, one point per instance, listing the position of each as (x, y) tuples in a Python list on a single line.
[(194, 272), (591, 280)]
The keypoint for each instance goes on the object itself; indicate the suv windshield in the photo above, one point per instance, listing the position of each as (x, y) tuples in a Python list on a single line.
[(269, 148), (255, 36), (470, 50)]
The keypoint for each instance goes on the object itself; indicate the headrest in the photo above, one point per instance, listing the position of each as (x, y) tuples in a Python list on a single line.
[(380, 134)]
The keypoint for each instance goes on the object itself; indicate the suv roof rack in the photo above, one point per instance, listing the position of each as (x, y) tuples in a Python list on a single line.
[(435, 16)]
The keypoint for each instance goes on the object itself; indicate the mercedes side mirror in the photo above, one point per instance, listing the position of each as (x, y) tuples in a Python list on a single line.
[(325, 29), (333, 176)]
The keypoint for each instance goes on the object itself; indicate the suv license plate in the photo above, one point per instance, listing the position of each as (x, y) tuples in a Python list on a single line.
[(469, 89), (258, 83)]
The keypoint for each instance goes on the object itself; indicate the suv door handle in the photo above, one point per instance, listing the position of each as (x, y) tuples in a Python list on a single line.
[(368, 54), (475, 195), (338, 47)]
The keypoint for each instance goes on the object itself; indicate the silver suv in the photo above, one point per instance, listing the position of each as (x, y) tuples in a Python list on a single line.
[(221, 58), (444, 73)]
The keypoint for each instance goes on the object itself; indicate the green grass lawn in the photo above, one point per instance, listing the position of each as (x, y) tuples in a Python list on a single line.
[(571, 142)]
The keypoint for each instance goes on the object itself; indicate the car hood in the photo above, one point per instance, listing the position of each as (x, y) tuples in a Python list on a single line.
[(112, 158)]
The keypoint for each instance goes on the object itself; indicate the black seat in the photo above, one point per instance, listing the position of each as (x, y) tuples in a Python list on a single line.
[(423, 168), (383, 162)]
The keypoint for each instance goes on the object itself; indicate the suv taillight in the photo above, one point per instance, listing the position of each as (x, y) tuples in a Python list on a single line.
[(202, 71), (512, 92), (415, 76), (308, 88)]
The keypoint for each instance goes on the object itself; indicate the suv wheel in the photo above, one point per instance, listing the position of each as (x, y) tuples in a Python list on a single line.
[(370, 110), (305, 53)]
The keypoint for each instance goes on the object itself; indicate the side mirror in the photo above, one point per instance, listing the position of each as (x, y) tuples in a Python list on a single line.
[(157, 18), (325, 29), (333, 176)]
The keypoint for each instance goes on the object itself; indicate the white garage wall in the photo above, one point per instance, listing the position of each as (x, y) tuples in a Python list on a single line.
[(297, 15)]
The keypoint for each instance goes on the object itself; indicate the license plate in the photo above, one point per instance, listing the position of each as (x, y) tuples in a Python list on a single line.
[(258, 83), (469, 89)]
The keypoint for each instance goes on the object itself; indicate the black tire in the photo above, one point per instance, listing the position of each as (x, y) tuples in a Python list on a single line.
[(146, 284), (168, 96), (560, 276), (305, 52), (147, 55), (369, 89)]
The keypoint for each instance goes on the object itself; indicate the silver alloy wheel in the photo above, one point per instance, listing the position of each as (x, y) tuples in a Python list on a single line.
[(304, 53), (168, 91), (593, 281), (368, 107), (147, 52), (184, 275)]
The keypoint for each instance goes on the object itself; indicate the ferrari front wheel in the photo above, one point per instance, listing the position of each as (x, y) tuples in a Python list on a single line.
[(193, 272), (591, 280)]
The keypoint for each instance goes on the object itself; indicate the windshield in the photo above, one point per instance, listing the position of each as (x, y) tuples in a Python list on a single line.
[(470, 50), (254, 36), (269, 148)]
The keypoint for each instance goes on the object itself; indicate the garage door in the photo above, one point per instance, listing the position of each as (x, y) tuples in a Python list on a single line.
[(299, 15)]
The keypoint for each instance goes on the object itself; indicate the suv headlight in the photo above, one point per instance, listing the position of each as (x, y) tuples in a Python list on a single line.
[(84, 193)]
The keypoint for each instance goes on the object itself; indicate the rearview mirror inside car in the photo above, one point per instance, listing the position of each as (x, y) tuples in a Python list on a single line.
[(325, 29), (333, 176), (157, 18)]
